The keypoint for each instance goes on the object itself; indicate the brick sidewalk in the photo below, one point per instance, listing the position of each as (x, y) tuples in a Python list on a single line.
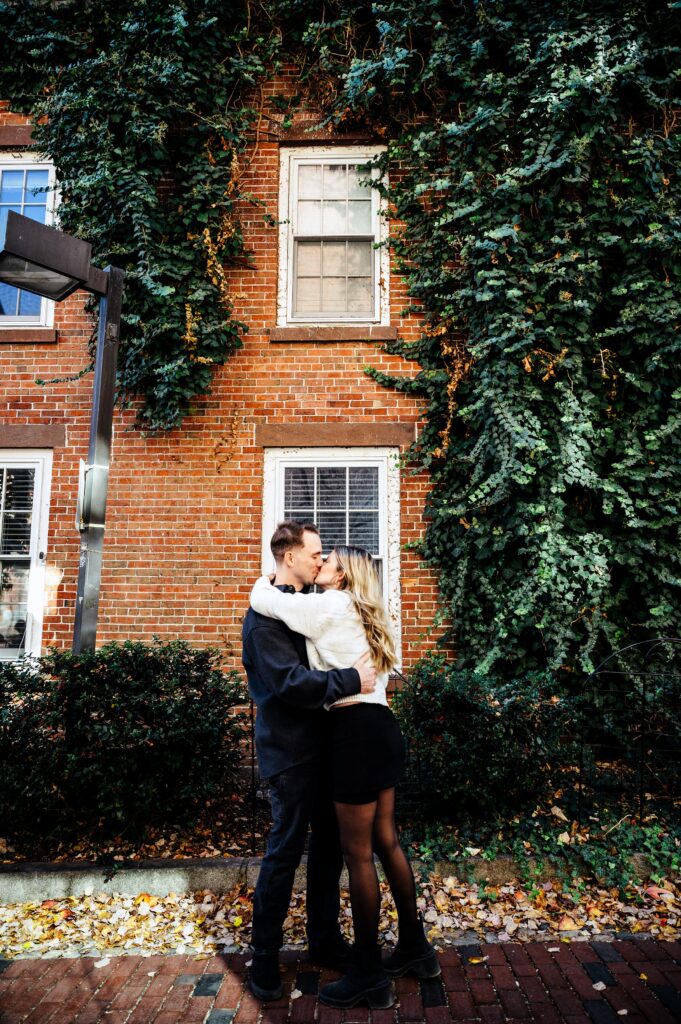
[(550, 983)]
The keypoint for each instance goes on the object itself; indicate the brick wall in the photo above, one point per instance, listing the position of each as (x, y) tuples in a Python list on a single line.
[(183, 539)]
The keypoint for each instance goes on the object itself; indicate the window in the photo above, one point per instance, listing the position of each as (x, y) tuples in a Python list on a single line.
[(351, 494), (331, 270), (27, 187), (24, 500)]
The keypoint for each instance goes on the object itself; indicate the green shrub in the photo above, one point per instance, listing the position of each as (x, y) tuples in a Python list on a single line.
[(480, 747), (132, 735)]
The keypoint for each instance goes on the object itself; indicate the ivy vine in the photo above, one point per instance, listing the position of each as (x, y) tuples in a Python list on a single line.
[(143, 109), (536, 221)]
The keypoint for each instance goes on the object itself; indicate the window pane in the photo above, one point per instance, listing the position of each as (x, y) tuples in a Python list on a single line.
[(16, 533), (18, 193), (363, 487), (363, 530), (35, 213), (19, 487), (359, 295), (355, 175), (332, 529), (29, 304), (37, 180), (309, 259), (8, 300), (303, 515), (331, 484), (359, 259), (13, 604), (12, 187), (299, 487), (335, 181), (310, 181), (359, 217), (308, 295), (335, 218), (309, 218), (333, 295), (334, 259)]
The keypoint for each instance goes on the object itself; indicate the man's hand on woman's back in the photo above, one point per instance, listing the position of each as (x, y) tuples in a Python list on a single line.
[(367, 673)]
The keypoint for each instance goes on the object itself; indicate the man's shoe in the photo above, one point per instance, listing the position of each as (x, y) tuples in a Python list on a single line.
[(336, 955), (360, 986), (265, 980)]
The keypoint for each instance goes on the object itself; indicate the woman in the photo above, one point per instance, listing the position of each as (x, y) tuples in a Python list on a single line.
[(367, 757)]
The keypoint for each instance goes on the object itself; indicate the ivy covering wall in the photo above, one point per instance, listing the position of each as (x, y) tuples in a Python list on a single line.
[(536, 220), (144, 109)]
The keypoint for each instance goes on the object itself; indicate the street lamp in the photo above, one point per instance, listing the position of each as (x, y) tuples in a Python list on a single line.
[(50, 263)]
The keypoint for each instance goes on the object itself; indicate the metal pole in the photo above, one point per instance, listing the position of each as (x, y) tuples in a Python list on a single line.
[(97, 472)]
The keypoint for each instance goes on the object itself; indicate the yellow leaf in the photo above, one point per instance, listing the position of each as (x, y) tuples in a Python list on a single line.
[(237, 921), (643, 977)]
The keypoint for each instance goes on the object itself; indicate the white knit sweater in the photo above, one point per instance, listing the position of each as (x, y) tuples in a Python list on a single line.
[(331, 625)]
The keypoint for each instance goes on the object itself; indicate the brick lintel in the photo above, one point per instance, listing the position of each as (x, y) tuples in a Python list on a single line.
[(333, 334), (27, 336), (16, 136), (36, 435), (334, 435)]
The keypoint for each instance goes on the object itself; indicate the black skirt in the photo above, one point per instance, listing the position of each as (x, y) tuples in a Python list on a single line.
[(367, 752)]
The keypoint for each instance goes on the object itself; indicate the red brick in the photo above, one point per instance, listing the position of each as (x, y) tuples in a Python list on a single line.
[(514, 1004), (503, 977), (483, 992), (436, 1015), (410, 1007), (461, 1005)]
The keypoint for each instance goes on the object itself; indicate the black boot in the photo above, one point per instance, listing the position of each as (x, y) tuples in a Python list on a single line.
[(335, 953), (365, 982), (265, 980), (413, 954)]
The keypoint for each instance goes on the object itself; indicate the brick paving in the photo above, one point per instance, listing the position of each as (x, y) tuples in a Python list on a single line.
[(636, 980)]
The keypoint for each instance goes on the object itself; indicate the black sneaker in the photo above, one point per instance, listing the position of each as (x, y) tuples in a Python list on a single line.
[(336, 955), (264, 979), (360, 986)]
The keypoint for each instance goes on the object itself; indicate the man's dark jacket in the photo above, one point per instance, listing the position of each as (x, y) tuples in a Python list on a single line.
[(291, 723)]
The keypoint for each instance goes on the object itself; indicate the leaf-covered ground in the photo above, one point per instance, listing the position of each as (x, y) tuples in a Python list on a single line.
[(203, 923)]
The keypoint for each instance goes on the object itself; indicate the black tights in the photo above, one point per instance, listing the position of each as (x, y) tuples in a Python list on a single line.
[(365, 829)]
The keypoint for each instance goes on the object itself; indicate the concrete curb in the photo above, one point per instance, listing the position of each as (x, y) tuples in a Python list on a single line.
[(35, 882)]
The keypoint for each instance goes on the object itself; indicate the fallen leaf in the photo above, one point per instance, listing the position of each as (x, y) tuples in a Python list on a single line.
[(296, 993), (599, 986), (558, 813)]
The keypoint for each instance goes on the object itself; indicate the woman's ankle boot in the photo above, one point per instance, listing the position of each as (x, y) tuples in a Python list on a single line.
[(413, 954), (365, 982)]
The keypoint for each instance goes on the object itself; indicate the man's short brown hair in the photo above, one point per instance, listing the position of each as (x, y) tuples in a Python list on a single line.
[(289, 534)]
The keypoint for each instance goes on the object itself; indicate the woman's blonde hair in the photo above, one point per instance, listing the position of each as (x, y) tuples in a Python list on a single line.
[(361, 581)]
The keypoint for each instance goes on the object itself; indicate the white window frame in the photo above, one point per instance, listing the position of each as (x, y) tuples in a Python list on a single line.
[(290, 159), (41, 460), (20, 161), (387, 460)]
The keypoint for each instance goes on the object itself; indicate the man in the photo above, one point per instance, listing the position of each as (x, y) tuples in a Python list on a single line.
[(290, 738)]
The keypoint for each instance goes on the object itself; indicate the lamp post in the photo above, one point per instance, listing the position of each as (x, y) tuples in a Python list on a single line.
[(52, 264)]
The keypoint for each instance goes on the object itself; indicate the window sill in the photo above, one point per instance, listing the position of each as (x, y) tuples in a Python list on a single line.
[(27, 336), (372, 332)]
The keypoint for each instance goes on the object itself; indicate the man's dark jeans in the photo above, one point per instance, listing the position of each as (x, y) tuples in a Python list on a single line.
[(300, 797)]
